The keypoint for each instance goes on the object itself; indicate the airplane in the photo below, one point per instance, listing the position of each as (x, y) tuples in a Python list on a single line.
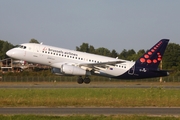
[(76, 63)]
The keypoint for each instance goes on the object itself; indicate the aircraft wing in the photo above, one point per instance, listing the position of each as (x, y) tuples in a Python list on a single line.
[(102, 64)]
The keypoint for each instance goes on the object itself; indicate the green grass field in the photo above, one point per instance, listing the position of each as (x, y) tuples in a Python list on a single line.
[(90, 97)]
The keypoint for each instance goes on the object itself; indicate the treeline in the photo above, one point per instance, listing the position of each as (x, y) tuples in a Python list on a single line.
[(171, 58), (125, 54)]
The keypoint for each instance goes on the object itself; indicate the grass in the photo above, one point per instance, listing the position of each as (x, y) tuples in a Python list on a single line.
[(90, 97), (85, 117)]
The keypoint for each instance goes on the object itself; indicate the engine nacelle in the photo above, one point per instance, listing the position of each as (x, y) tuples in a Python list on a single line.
[(70, 70), (56, 71)]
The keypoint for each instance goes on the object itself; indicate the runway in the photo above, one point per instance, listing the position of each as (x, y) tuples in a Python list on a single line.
[(91, 111)]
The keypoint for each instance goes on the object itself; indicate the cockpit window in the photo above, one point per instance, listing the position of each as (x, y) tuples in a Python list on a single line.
[(21, 46)]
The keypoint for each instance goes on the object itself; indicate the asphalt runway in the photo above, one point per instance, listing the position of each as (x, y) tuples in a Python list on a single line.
[(92, 111), (49, 85)]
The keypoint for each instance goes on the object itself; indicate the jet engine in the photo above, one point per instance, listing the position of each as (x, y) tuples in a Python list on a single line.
[(69, 70)]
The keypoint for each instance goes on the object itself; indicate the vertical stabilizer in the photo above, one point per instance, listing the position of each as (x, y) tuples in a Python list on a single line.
[(154, 55)]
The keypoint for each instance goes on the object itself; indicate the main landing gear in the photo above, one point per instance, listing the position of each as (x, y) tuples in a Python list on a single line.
[(86, 80)]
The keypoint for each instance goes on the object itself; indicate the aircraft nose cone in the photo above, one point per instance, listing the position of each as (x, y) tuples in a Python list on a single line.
[(9, 53)]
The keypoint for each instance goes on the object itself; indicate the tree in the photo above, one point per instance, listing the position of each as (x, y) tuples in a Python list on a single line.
[(113, 54), (123, 54), (33, 41), (91, 49), (4, 47), (103, 51), (131, 54), (171, 58), (84, 47)]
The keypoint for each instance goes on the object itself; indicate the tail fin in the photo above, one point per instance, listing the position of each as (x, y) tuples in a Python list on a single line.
[(154, 55)]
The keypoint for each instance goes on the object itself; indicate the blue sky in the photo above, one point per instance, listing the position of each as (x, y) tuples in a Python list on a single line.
[(113, 24)]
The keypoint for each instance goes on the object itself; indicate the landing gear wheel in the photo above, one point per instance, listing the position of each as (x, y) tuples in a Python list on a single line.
[(80, 80), (87, 80)]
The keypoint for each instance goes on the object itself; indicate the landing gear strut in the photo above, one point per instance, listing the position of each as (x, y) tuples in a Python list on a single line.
[(86, 80)]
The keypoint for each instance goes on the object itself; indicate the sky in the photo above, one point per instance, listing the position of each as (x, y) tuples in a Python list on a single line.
[(112, 24)]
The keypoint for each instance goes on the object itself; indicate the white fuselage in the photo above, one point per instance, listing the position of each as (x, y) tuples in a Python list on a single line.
[(54, 56)]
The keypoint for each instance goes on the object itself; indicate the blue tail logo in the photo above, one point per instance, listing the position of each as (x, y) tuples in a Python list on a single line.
[(154, 55)]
